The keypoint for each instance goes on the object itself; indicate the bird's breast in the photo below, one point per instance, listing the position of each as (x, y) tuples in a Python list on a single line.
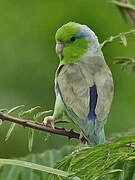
[(74, 89)]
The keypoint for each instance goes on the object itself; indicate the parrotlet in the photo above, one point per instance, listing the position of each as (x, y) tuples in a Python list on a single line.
[(83, 82)]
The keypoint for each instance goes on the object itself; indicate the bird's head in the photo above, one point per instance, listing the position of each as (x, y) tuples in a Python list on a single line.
[(73, 41)]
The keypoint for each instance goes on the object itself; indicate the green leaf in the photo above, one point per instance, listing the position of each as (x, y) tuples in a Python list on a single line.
[(120, 60), (9, 133), (47, 158), (117, 175), (3, 110), (112, 38), (47, 137), (113, 171), (123, 5), (15, 109), (40, 114), (125, 62), (29, 111), (30, 139), (91, 163), (129, 170), (123, 39), (1, 122), (35, 167)]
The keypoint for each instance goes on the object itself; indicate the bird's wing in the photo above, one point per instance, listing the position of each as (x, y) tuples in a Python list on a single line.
[(104, 84), (79, 88), (95, 69)]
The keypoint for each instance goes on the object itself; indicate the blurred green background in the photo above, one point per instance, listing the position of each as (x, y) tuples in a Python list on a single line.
[(28, 63)]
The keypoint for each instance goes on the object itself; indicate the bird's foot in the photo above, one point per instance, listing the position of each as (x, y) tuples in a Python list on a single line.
[(49, 120), (81, 136)]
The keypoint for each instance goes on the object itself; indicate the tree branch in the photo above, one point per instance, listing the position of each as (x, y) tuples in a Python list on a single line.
[(131, 12), (123, 4), (39, 126), (129, 8), (116, 37)]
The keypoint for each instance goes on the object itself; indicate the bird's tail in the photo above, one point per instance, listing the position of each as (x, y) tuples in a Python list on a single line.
[(98, 137)]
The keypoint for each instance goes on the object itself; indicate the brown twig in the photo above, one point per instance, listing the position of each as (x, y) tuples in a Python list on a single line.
[(127, 6), (39, 126), (129, 11), (112, 38)]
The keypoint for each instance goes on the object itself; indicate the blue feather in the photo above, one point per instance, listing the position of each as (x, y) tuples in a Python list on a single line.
[(58, 88), (94, 138), (93, 102)]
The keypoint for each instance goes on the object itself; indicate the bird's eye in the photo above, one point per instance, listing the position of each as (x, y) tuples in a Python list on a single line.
[(72, 39)]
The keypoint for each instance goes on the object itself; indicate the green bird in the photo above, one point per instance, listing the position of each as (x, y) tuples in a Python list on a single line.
[(84, 84)]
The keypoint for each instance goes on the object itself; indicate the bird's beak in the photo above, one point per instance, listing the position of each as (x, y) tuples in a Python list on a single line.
[(59, 48)]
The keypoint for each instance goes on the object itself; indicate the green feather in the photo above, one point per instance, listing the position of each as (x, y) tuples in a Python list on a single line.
[(72, 51), (67, 31)]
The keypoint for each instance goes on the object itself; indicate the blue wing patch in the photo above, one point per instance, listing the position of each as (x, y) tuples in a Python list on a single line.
[(93, 102), (92, 105)]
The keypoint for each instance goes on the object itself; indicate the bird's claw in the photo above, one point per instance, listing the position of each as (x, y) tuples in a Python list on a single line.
[(49, 120), (81, 136)]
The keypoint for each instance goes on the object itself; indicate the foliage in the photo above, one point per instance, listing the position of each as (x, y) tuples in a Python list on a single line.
[(99, 161), (30, 113), (48, 158), (123, 5), (107, 161), (125, 62), (122, 36)]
